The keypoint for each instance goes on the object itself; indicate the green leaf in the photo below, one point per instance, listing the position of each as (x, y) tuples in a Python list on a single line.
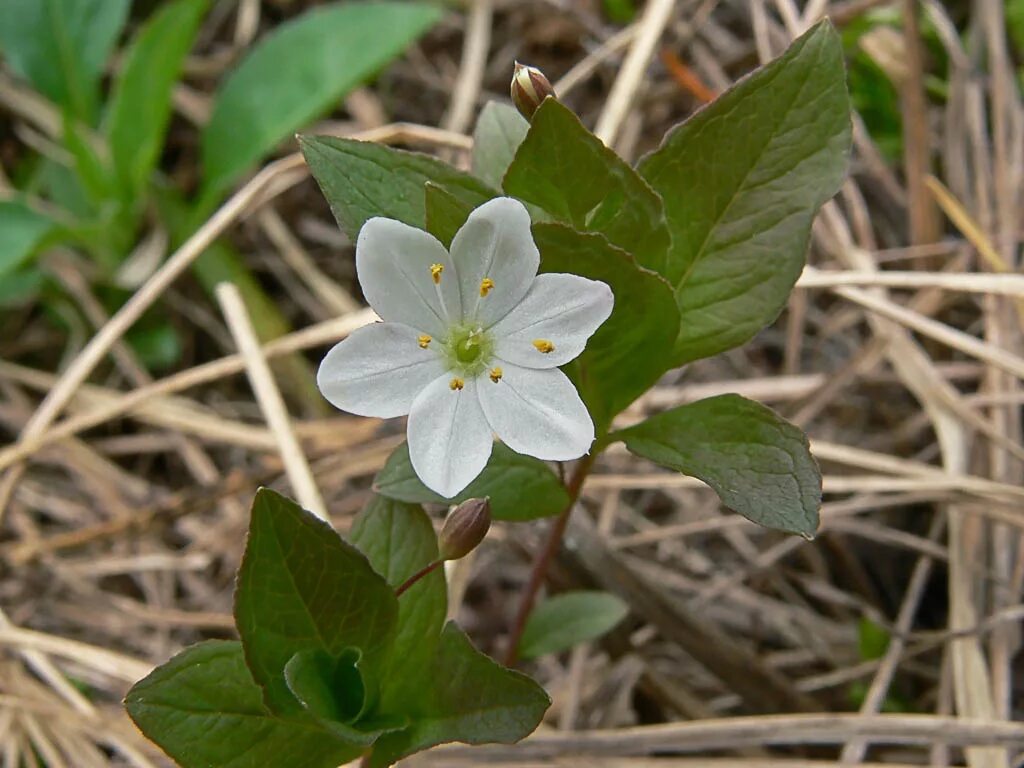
[(520, 487), (759, 464), (20, 287), (473, 699), (399, 540), (445, 213), (631, 350), (499, 131), (741, 181), (298, 72), (21, 231), (361, 179), (204, 709), (157, 345), (61, 46), (140, 105), (300, 587), (568, 619), (566, 170)]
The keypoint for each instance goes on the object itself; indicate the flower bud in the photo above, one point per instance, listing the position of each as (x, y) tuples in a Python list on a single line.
[(529, 89), (464, 529)]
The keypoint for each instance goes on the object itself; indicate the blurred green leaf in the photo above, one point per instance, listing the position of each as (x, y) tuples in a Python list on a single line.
[(361, 179), (759, 464), (300, 70), (300, 587), (631, 350), (741, 181), (204, 709), (499, 131), (567, 171), (140, 104), (520, 487), (872, 640), (568, 619), (20, 287), (21, 231), (61, 47), (157, 345)]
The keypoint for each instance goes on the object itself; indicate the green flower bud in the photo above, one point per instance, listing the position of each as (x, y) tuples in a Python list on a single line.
[(464, 529), (529, 89)]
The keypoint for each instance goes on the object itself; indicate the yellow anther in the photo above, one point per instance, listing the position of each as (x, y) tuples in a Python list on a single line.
[(496, 374), (485, 286), (424, 341), (456, 384), (543, 345), (435, 272)]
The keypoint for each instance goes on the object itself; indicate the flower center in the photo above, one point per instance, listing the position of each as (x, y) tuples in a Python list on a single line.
[(469, 349)]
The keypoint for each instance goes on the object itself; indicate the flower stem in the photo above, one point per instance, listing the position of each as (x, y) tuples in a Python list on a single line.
[(417, 576), (545, 557)]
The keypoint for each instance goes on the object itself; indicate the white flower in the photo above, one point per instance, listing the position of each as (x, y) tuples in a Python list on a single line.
[(469, 346)]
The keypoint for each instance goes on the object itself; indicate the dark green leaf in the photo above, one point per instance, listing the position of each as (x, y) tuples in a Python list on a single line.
[(633, 347), (566, 170), (473, 700), (759, 464), (361, 179), (21, 230), (299, 71), (445, 213), (331, 689), (398, 540), (20, 287), (568, 619), (204, 709), (520, 487), (300, 587), (140, 104), (741, 181), (61, 46), (499, 131)]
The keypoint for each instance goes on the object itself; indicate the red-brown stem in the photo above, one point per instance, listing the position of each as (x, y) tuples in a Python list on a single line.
[(544, 559), (417, 576)]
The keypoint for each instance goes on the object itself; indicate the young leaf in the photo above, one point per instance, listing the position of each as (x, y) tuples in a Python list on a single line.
[(398, 540), (472, 699), (499, 131), (631, 350), (61, 46), (300, 587), (204, 709), (568, 619), (741, 181), (566, 170), (759, 464), (21, 230), (361, 179), (328, 51), (140, 104), (520, 487)]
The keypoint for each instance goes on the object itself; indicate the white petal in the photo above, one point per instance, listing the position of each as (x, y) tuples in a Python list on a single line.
[(378, 370), (393, 261), (562, 309), (495, 243), (449, 439), (537, 413)]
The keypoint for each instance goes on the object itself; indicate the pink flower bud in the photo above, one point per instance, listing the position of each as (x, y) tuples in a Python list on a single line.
[(529, 89), (464, 529)]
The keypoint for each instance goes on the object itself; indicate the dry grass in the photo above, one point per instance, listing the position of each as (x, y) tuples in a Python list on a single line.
[(123, 499)]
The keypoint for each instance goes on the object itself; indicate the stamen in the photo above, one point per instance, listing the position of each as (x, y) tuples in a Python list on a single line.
[(424, 341), (496, 374), (456, 384), (485, 286), (435, 272), (543, 345)]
